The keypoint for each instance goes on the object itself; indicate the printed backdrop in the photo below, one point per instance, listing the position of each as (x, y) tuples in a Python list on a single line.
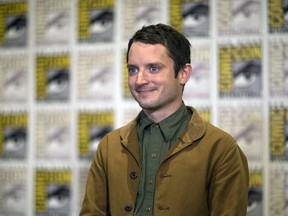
[(63, 86)]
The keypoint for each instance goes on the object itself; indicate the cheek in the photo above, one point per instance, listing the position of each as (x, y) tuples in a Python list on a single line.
[(131, 81), (160, 79)]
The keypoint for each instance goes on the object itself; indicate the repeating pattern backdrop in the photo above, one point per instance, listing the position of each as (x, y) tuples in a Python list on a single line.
[(63, 85)]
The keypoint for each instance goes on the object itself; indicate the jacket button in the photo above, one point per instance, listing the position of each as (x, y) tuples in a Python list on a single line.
[(133, 175), (128, 207)]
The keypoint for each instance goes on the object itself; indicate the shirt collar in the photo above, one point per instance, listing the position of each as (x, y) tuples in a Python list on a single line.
[(169, 126)]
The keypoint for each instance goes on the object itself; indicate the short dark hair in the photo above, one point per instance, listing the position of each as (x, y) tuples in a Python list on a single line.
[(177, 45)]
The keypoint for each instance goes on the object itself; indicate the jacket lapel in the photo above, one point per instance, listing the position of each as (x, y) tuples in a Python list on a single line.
[(129, 140)]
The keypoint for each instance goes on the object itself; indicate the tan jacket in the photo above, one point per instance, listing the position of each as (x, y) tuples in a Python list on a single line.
[(204, 173)]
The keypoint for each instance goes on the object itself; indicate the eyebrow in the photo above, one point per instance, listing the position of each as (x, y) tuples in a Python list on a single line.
[(148, 64), (131, 65)]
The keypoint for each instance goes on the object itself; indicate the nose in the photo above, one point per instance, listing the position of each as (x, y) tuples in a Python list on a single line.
[(141, 78)]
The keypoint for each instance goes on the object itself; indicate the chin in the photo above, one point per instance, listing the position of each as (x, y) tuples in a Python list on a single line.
[(146, 105), (151, 107)]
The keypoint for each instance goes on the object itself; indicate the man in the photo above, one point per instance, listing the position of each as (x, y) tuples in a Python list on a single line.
[(167, 161)]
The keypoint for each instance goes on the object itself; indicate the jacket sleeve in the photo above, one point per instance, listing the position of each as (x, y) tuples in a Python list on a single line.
[(228, 192), (95, 202)]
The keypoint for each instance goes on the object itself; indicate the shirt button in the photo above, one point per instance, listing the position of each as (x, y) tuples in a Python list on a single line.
[(153, 155), (133, 175), (128, 207), (150, 181), (148, 209)]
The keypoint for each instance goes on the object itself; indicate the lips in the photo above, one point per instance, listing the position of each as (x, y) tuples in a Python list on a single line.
[(144, 90)]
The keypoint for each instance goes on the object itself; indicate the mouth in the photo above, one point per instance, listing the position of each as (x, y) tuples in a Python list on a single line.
[(144, 91)]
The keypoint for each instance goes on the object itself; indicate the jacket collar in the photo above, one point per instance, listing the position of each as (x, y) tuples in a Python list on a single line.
[(196, 129)]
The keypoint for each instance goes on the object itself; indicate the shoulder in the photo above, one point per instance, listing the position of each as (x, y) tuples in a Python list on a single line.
[(199, 128), (218, 133), (208, 135)]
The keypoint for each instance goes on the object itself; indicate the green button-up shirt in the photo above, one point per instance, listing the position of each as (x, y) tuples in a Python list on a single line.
[(155, 139)]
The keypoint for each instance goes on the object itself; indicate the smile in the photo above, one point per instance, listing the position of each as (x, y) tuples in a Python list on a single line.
[(144, 91)]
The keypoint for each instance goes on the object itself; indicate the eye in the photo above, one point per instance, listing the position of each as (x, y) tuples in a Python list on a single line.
[(132, 70), (154, 68)]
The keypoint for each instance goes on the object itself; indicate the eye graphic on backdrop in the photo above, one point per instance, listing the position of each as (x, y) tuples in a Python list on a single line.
[(96, 133), (58, 141), (58, 196), (101, 21), (285, 81), (247, 75), (254, 200), (198, 84), (15, 85), (247, 13), (14, 196), (147, 15), (200, 73), (248, 137), (285, 10), (286, 131), (14, 140), (195, 21), (57, 25), (100, 82), (15, 27), (196, 16), (58, 84)]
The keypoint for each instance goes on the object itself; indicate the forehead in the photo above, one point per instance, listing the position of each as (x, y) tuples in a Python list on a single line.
[(147, 51)]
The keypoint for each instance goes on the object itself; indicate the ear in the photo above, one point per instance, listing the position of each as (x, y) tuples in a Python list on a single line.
[(185, 73)]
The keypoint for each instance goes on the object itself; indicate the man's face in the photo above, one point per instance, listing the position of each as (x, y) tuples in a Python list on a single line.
[(152, 79)]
